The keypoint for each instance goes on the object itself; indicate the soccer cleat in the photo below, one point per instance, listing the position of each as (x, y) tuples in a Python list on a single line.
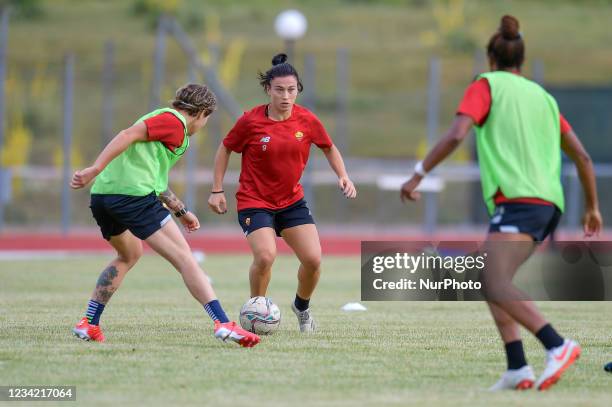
[(557, 361), (232, 331), (307, 323), (515, 379), (87, 331)]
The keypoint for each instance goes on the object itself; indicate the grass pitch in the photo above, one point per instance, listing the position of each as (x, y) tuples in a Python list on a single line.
[(160, 349)]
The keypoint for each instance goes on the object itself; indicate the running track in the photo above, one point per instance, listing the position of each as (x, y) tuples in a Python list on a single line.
[(211, 243)]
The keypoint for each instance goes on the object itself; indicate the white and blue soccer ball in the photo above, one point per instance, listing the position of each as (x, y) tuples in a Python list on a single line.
[(260, 315)]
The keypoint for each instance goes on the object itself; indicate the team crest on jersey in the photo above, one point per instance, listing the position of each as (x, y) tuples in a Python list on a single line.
[(299, 135)]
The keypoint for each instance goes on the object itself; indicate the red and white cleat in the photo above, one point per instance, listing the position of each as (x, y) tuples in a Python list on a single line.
[(557, 361), (88, 332), (233, 332), (516, 379)]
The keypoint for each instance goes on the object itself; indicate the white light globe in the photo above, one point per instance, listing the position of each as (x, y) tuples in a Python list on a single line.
[(290, 25)]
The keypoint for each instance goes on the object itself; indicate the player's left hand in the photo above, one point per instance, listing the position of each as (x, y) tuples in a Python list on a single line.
[(347, 187), (190, 222), (83, 177), (408, 191), (592, 222)]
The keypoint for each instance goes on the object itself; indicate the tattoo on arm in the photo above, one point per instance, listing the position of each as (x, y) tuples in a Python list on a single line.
[(169, 199), (104, 286)]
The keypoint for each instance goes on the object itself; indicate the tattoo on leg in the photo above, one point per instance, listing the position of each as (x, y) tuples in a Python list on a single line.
[(104, 286)]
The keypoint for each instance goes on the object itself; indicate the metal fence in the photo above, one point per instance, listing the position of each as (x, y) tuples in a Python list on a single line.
[(34, 195)]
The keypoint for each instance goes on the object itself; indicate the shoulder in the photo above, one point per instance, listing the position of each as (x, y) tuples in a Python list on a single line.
[(305, 115), (257, 111), (497, 77), (164, 119), (302, 111), (479, 84), (250, 116)]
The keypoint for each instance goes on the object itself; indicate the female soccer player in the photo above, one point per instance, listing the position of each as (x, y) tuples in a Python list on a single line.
[(274, 140), (519, 134), (126, 201)]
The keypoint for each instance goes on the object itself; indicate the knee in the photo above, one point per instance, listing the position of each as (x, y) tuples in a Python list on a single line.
[(503, 319), (264, 259), (312, 263), (185, 261), (131, 257)]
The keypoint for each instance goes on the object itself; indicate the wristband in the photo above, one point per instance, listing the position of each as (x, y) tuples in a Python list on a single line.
[(180, 213), (217, 192), (418, 169)]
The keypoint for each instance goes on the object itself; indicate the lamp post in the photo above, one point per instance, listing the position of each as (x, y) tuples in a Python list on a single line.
[(290, 25)]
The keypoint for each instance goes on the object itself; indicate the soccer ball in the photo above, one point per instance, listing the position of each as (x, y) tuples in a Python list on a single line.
[(260, 315)]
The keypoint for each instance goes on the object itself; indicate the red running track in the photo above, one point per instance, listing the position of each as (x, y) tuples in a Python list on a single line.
[(334, 244)]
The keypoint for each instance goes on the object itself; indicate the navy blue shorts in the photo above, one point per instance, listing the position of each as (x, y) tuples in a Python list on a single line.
[(256, 218), (142, 215), (538, 221)]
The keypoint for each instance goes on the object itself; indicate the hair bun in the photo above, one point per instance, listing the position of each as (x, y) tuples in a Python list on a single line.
[(279, 59), (509, 28)]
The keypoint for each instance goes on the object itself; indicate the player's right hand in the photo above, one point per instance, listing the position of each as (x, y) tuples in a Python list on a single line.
[(217, 203), (592, 222), (409, 187), (190, 222), (83, 177)]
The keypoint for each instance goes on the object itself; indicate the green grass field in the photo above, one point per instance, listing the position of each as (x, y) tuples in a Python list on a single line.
[(160, 349)]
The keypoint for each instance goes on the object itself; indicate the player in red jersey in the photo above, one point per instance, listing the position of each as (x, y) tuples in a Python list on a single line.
[(274, 140)]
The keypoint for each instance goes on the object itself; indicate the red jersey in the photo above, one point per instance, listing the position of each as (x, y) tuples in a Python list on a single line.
[(274, 155), (476, 104), (167, 128)]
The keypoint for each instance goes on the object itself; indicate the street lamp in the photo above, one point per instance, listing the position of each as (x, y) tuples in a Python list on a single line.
[(290, 25)]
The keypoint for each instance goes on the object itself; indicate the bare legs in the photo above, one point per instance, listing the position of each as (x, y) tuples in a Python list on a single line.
[(171, 245), (303, 240), (509, 306)]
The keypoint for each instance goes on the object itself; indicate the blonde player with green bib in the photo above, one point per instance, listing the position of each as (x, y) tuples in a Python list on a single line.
[(520, 134), (130, 201)]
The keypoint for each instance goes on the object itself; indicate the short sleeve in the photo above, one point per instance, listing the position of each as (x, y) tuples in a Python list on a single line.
[(166, 128), (320, 138), (238, 136), (565, 126), (476, 101)]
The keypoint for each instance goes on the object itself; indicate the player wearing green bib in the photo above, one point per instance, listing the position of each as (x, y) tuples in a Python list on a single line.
[(143, 167), (130, 201), (519, 134)]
